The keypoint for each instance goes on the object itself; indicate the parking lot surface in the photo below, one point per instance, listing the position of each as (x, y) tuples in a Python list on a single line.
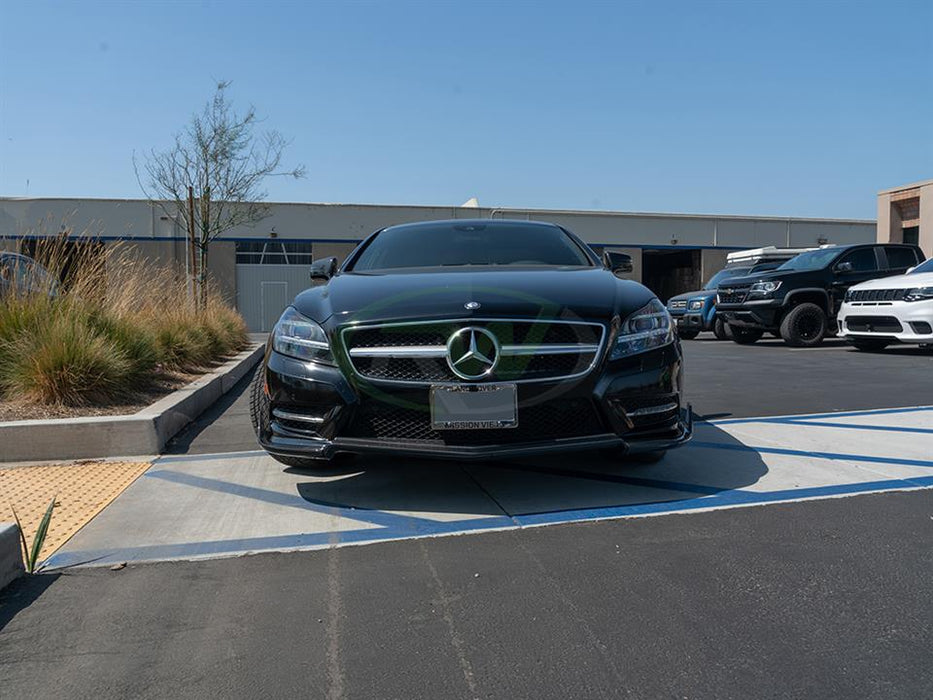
[(239, 503), (800, 597)]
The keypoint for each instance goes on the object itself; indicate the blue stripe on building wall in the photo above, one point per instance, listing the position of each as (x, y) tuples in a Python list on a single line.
[(356, 241)]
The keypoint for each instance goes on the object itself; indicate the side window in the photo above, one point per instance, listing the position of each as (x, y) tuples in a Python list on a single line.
[(7, 268), (25, 275), (900, 258), (863, 260), (42, 280)]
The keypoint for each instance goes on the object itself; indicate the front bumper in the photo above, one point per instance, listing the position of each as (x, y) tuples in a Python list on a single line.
[(344, 408), (764, 314), (692, 321), (901, 321)]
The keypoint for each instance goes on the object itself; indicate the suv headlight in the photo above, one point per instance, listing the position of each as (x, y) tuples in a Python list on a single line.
[(765, 287), (919, 294), (648, 328), (696, 304), (300, 337)]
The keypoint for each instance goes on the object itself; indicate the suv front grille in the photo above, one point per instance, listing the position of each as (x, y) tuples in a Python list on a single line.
[(873, 324), (732, 295), (416, 353), (876, 295), (561, 418)]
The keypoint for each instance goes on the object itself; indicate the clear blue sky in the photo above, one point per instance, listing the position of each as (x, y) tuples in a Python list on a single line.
[(785, 108)]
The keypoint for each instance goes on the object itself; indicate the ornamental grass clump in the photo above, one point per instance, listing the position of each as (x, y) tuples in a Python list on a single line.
[(108, 330)]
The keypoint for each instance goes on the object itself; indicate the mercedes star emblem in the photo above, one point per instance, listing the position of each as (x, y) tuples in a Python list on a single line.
[(472, 353)]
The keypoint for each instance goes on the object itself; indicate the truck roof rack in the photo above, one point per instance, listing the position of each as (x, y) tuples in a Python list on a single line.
[(761, 254)]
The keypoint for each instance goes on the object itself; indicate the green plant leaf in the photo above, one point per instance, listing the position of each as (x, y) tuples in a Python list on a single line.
[(41, 532)]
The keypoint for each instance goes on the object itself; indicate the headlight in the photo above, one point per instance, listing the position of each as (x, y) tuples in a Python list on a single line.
[(696, 304), (919, 294), (301, 338), (765, 287), (648, 328)]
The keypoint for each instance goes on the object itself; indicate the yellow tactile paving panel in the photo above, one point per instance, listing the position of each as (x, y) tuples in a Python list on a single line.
[(81, 490)]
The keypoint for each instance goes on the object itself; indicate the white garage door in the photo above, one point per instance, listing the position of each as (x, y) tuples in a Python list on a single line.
[(269, 273), (263, 292)]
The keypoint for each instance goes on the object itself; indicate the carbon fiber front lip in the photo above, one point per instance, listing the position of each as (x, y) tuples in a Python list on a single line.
[(324, 449)]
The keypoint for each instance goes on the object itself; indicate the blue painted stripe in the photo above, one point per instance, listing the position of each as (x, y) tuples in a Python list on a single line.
[(409, 523), (724, 499), (808, 453), (352, 241), (814, 416), (173, 459), (272, 543), (855, 426)]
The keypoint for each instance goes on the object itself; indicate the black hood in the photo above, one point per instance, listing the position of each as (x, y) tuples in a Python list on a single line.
[(783, 275), (589, 293)]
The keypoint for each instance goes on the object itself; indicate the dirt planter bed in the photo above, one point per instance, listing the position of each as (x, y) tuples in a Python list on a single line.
[(141, 433)]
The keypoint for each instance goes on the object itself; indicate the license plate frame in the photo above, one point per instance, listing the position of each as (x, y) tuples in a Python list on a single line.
[(474, 407)]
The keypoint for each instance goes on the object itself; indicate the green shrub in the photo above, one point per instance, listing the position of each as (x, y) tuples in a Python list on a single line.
[(133, 338), (108, 332), (65, 361)]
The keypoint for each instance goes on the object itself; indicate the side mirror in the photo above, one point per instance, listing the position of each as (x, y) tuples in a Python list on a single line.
[(617, 262), (844, 267), (323, 269)]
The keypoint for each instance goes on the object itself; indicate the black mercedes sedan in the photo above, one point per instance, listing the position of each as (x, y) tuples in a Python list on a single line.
[(471, 339)]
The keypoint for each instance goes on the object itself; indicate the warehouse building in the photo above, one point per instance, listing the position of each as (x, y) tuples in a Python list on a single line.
[(262, 267)]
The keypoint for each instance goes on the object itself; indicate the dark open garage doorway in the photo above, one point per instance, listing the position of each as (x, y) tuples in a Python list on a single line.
[(669, 272)]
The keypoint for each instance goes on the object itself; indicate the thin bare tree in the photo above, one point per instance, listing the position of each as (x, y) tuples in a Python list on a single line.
[(220, 162)]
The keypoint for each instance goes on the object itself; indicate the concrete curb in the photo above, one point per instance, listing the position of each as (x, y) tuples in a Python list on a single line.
[(142, 433), (11, 554)]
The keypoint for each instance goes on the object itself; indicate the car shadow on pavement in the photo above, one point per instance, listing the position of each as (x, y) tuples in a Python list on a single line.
[(715, 463)]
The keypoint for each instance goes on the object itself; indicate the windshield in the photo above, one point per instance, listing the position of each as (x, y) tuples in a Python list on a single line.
[(814, 260), (923, 267), (456, 244), (725, 274)]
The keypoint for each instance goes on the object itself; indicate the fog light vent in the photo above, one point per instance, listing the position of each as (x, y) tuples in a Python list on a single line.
[(645, 411), (921, 327), (307, 422)]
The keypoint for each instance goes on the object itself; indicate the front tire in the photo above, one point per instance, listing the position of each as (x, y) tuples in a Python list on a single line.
[(745, 336), (804, 326), (869, 345), (259, 413), (721, 330), (688, 335)]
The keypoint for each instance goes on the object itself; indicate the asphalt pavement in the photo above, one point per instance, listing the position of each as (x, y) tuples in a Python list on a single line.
[(826, 598)]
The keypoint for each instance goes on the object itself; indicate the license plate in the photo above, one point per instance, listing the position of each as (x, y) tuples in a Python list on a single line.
[(474, 407)]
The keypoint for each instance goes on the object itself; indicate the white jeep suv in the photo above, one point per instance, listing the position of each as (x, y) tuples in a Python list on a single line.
[(890, 310)]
